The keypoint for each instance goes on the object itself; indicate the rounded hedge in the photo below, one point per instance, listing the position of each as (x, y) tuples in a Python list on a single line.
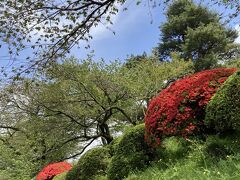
[(223, 111), (131, 153), (73, 174), (113, 145), (180, 108), (92, 163)]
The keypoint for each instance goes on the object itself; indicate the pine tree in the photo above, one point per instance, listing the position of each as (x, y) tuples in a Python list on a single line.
[(196, 33)]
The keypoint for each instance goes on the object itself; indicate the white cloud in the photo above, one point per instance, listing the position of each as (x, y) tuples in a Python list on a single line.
[(237, 27), (121, 21), (103, 29)]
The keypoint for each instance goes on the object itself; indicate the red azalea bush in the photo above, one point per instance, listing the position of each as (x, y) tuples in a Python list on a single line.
[(52, 170), (180, 108)]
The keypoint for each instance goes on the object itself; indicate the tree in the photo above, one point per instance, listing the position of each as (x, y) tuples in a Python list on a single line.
[(76, 104), (233, 5), (58, 115), (132, 60), (29, 140), (52, 28), (73, 103), (58, 25), (196, 33)]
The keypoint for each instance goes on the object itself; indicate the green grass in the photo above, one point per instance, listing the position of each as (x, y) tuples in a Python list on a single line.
[(203, 161), (215, 157), (189, 170)]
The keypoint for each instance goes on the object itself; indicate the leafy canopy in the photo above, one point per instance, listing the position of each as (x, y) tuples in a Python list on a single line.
[(52, 28), (196, 33)]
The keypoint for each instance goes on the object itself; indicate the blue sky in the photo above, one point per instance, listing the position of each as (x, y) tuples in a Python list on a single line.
[(137, 31)]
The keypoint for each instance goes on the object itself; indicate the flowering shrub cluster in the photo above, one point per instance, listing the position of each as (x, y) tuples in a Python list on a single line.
[(52, 170), (180, 108)]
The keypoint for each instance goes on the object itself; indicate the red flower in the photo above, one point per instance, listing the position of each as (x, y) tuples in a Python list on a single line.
[(221, 80), (52, 170), (180, 108)]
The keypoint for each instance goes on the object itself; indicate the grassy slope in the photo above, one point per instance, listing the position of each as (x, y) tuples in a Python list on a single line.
[(202, 162)]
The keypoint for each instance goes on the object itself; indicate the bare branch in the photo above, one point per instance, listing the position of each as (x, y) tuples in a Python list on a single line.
[(78, 154), (9, 127)]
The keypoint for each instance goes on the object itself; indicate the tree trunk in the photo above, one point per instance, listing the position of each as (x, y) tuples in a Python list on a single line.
[(106, 136)]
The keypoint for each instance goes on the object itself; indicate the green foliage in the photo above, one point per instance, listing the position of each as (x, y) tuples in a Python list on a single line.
[(222, 112), (73, 174), (234, 63), (132, 61), (132, 153), (76, 101), (54, 38), (172, 149), (120, 167), (100, 177), (204, 42), (61, 176), (14, 165), (22, 154), (30, 140), (147, 77), (91, 164), (79, 17), (33, 148), (93, 95), (113, 145), (196, 33)]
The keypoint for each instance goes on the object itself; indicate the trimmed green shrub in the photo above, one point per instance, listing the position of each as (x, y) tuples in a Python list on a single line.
[(113, 145), (223, 111), (98, 177), (131, 153), (61, 176), (73, 174), (91, 164)]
